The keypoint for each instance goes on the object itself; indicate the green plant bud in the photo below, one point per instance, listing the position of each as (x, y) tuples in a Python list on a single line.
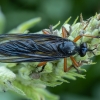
[(29, 78)]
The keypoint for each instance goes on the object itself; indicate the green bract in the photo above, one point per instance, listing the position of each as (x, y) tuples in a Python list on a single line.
[(25, 78)]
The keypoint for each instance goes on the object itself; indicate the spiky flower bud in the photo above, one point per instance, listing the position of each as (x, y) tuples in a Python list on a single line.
[(26, 78)]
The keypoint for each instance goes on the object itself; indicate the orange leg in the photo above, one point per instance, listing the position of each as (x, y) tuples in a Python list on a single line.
[(74, 61), (45, 32), (78, 37), (74, 67), (75, 64), (65, 65), (41, 64), (65, 33)]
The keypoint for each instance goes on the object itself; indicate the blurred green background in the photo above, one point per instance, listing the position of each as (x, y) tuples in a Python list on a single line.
[(52, 11)]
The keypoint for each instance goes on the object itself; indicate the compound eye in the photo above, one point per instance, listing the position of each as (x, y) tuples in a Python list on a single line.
[(83, 45), (83, 49)]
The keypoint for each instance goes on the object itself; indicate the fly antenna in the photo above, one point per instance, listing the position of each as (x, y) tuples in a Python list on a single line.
[(91, 50)]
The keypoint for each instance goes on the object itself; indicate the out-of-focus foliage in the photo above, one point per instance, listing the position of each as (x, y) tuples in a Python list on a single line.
[(2, 22), (51, 11)]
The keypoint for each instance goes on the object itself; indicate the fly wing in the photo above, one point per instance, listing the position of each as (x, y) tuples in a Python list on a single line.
[(7, 37), (35, 58), (29, 47), (41, 38)]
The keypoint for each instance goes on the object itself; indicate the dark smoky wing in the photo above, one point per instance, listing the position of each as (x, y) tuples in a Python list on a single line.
[(8, 37), (27, 59), (29, 48)]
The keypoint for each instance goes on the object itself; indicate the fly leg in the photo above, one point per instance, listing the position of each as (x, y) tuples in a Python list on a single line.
[(75, 64), (65, 33), (41, 64), (82, 34), (65, 65), (78, 37), (74, 61)]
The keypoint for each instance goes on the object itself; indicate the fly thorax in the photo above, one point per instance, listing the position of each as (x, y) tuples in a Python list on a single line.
[(68, 48)]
